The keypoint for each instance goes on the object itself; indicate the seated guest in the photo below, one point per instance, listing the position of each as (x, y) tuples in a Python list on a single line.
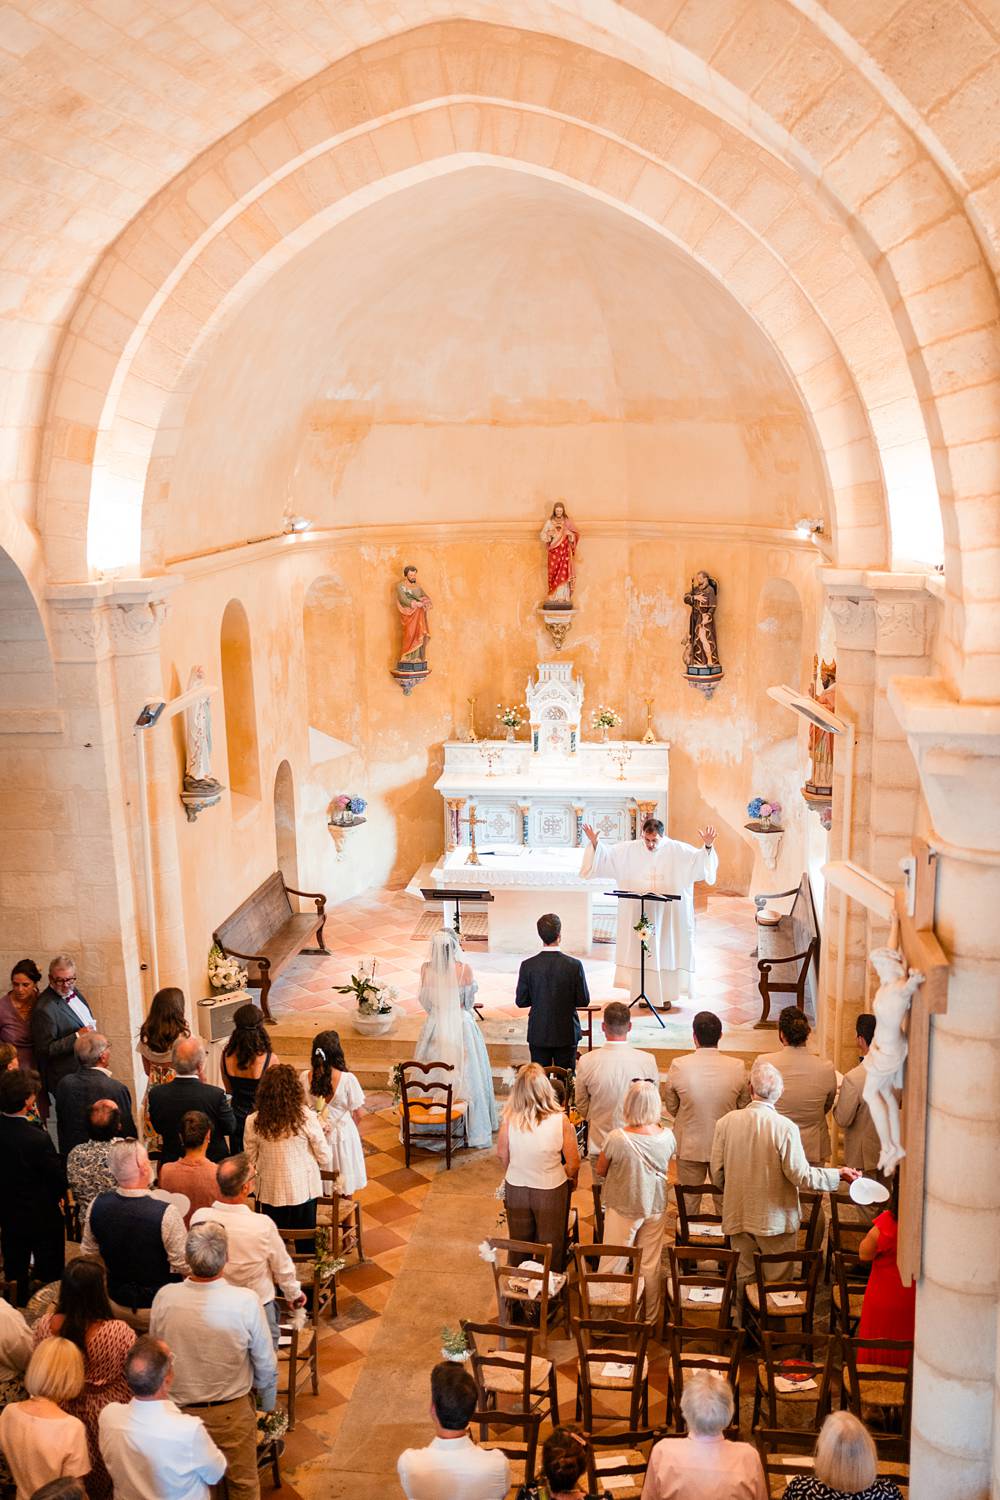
[(222, 1351), (537, 1145), (32, 1183), (84, 1316), (889, 1308), (634, 1163), (603, 1076), (564, 1464), (15, 1015), (91, 1081), (169, 1102), (39, 1440), (704, 1465), (846, 1465), (139, 1238), (59, 1013), (245, 1060), (258, 1257), (702, 1086), (451, 1464), (194, 1174), (150, 1447), (810, 1084), (163, 1025), (285, 1143), (87, 1164)]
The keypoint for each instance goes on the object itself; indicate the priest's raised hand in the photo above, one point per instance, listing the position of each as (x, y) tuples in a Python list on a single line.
[(707, 836), (591, 834)]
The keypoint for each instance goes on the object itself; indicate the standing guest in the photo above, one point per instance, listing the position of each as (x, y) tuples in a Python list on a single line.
[(633, 1163), (889, 1308), (564, 1464), (170, 1102), (258, 1257), (163, 1026), (339, 1102), (810, 1084), (15, 1016), (246, 1058), (32, 1183), (550, 986), (84, 1316), (758, 1161), (451, 1465), (40, 1441), (537, 1145), (9, 1064), (152, 1450), (92, 1081), (87, 1164), (702, 1086), (704, 1465), (285, 1143), (450, 1035), (140, 1238), (194, 1174), (604, 1075), (846, 1465), (222, 1353), (59, 1013), (861, 1143)]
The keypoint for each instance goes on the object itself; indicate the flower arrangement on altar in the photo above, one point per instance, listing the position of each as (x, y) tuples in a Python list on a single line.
[(761, 811), (374, 998), (510, 716), (225, 973), (346, 810), (644, 927), (604, 717)]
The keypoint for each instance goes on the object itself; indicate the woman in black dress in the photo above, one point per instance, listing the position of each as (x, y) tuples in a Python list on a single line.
[(246, 1058)]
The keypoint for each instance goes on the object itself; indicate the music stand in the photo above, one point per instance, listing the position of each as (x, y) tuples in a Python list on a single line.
[(642, 897), (467, 893)]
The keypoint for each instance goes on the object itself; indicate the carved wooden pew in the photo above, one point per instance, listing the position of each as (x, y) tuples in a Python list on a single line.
[(266, 934), (792, 947)]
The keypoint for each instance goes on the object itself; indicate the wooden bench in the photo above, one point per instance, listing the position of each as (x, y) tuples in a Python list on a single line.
[(794, 940), (266, 934)]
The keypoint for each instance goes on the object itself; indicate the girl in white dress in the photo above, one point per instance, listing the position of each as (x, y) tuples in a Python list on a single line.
[(339, 1100), (450, 1035)]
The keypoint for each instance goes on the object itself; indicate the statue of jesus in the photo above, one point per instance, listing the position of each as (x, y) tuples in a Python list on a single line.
[(561, 538), (667, 868)]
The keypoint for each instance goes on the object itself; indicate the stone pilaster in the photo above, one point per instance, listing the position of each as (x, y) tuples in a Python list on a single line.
[(957, 1379)]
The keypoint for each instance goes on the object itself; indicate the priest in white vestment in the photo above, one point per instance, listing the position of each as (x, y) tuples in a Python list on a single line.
[(668, 868)]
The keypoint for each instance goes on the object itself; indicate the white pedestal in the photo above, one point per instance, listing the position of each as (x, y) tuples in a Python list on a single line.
[(516, 909)]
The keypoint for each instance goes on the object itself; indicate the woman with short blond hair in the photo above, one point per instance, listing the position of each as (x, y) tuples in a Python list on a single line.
[(38, 1438), (538, 1148), (846, 1465), (633, 1163)]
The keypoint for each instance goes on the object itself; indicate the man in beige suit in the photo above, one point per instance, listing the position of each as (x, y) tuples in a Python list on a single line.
[(810, 1084), (862, 1146), (758, 1161), (702, 1086), (603, 1076)]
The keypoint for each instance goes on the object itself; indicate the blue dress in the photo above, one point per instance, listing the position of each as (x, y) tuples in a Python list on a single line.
[(477, 1077)]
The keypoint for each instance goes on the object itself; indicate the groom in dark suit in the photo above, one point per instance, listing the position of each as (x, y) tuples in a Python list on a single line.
[(551, 985)]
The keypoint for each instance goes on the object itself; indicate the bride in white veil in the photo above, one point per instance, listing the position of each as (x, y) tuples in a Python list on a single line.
[(451, 1035)]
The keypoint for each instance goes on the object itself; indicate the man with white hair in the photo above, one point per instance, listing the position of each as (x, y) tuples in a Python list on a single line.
[(222, 1353), (703, 1465), (92, 1081), (758, 1161), (58, 1014), (187, 1090), (139, 1237)]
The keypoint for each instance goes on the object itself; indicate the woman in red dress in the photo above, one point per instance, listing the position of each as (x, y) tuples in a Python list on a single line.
[(887, 1311)]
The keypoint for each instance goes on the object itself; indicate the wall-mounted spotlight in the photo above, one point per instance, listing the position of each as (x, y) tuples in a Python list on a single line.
[(295, 524), (809, 528)]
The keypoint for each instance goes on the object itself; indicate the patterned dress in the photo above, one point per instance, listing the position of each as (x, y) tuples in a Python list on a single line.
[(160, 1071), (108, 1345)]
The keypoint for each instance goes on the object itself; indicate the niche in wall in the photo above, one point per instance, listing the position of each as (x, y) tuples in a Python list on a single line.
[(240, 708), (286, 844)]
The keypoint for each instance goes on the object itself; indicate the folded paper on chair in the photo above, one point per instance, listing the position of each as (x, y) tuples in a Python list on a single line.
[(712, 1295), (712, 1229)]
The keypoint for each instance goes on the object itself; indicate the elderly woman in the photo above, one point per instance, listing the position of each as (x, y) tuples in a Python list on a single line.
[(538, 1148), (633, 1163), (285, 1143), (846, 1465), (704, 1465), (39, 1440)]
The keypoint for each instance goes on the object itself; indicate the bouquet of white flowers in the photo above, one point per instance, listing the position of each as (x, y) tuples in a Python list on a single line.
[(225, 973), (374, 998)]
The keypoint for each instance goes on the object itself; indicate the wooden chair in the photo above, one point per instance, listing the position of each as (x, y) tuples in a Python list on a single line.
[(520, 1287), (300, 1356), (503, 1364), (602, 1343), (803, 1357), (521, 1453), (597, 1189), (343, 1215), (426, 1105), (880, 1394), (269, 1457), (606, 1293), (795, 941), (784, 1454), (810, 1230), (695, 1270), (717, 1350), (562, 1081), (71, 1217), (848, 1227), (606, 1472), (764, 1304), (847, 1294), (690, 1217)]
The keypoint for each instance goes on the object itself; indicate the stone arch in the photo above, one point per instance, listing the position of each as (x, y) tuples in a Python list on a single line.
[(285, 833), (239, 707), (27, 673)]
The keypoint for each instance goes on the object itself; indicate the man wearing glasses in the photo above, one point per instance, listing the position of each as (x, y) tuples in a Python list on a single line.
[(60, 1012)]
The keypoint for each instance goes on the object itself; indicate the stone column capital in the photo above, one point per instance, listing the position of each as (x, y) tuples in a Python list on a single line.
[(109, 617), (957, 749), (884, 613)]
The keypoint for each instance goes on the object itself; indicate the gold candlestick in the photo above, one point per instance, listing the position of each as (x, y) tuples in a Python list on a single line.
[(473, 736), (472, 858), (649, 738)]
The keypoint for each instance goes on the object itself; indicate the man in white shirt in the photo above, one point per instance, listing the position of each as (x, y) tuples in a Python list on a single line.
[(603, 1076), (151, 1449), (258, 1256), (702, 1086), (223, 1353), (451, 1467)]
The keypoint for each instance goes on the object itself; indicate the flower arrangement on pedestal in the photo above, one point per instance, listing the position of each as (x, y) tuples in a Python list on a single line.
[(761, 812), (605, 718), (454, 1345), (510, 717), (225, 973), (346, 810), (374, 997)]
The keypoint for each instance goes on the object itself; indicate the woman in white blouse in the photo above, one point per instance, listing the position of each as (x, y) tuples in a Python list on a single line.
[(537, 1145), (633, 1163), (285, 1142)]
